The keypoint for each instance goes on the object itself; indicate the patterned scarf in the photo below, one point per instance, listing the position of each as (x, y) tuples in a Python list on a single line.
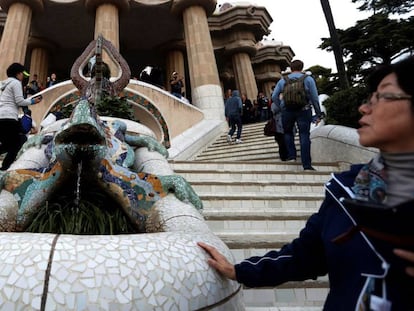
[(370, 183)]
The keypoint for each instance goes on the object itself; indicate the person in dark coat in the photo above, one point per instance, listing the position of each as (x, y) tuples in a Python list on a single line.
[(363, 234), (233, 112)]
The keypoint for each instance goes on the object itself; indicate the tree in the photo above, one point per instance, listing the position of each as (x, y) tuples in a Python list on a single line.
[(336, 46), (386, 6), (373, 41)]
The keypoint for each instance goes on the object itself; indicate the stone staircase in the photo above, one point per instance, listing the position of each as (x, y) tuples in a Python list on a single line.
[(255, 203)]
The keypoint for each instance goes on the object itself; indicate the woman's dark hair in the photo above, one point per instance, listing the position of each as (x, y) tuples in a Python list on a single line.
[(403, 69), (14, 69)]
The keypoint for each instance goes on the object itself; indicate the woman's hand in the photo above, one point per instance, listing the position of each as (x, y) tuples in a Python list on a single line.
[(407, 255), (219, 262)]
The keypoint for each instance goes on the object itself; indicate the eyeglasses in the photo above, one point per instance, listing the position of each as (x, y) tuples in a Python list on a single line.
[(387, 97)]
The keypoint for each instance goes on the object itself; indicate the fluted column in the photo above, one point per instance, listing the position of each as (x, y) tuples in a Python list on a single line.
[(241, 46), (15, 36), (39, 62), (244, 74), (107, 24), (40, 49), (175, 62), (205, 83)]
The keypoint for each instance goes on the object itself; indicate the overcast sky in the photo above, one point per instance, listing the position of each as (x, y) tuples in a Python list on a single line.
[(301, 25)]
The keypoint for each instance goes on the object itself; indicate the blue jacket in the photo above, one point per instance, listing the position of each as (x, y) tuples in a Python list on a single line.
[(310, 88), (233, 105), (350, 264)]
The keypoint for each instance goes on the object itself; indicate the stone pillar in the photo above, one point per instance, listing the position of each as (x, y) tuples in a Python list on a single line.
[(13, 43), (39, 61), (267, 88), (107, 24), (244, 75), (40, 50), (205, 84), (242, 48), (175, 62)]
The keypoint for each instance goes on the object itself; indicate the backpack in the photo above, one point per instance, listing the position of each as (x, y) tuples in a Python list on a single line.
[(294, 94), (26, 123)]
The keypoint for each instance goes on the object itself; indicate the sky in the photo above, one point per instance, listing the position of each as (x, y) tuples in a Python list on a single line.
[(309, 25)]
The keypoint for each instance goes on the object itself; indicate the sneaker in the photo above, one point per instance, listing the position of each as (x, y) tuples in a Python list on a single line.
[(228, 138), (239, 141), (310, 168), (291, 160)]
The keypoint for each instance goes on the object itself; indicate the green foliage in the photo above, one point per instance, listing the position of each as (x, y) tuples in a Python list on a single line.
[(117, 107), (326, 81), (93, 214), (342, 107), (386, 6), (373, 41)]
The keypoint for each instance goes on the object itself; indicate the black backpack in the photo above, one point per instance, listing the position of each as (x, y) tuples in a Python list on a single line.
[(294, 93)]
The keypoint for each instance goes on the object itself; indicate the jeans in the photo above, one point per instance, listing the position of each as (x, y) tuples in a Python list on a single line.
[(280, 140), (303, 119), (11, 140), (264, 115), (233, 121)]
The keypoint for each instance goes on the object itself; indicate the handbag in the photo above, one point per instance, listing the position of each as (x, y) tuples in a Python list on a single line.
[(270, 128)]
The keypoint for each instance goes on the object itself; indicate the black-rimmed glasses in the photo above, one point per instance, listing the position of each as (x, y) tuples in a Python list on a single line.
[(387, 97)]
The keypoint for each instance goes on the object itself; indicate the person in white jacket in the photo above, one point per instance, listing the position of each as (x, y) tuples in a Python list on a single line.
[(11, 99)]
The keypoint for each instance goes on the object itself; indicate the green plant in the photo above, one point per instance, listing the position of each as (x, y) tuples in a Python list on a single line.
[(94, 213), (117, 107), (342, 106)]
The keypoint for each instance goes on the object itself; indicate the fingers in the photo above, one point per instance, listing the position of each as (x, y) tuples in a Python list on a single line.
[(219, 262), (407, 255)]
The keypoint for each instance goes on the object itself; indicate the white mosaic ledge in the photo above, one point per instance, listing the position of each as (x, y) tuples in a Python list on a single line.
[(162, 270), (158, 271)]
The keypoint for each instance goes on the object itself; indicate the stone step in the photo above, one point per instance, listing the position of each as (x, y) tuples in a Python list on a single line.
[(292, 296), (256, 203), (249, 201), (257, 187), (258, 167), (252, 221)]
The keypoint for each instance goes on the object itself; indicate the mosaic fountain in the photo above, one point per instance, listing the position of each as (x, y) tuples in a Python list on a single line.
[(156, 265)]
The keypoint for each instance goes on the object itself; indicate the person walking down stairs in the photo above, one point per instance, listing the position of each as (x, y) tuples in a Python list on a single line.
[(233, 113)]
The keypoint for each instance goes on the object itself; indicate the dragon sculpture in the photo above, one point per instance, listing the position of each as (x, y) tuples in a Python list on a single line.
[(157, 267)]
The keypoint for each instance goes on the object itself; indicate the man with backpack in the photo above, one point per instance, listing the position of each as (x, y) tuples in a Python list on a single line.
[(297, 94)]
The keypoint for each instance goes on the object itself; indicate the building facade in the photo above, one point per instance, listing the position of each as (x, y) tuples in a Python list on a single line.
[(214, 48)]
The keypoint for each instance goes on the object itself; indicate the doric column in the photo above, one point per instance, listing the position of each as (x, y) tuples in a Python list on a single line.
[(268, 63), (39, 65), (242, 48), (244, 75), (175, 62), (205, 85), (107, 23), (39, 59), (13, 43)]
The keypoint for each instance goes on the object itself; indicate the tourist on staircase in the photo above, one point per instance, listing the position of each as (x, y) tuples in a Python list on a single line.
[(299, 112), (363, 234), (11, 99), (233, 113)]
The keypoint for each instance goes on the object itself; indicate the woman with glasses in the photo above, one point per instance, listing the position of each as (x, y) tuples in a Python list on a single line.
[(363, 234)]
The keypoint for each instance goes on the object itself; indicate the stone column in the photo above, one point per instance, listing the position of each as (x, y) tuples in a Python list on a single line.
[(242, 48), (13, 43), (39, 65), (40, 50), (107, 23), (175, 62), (205, 84), (244, 75)]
